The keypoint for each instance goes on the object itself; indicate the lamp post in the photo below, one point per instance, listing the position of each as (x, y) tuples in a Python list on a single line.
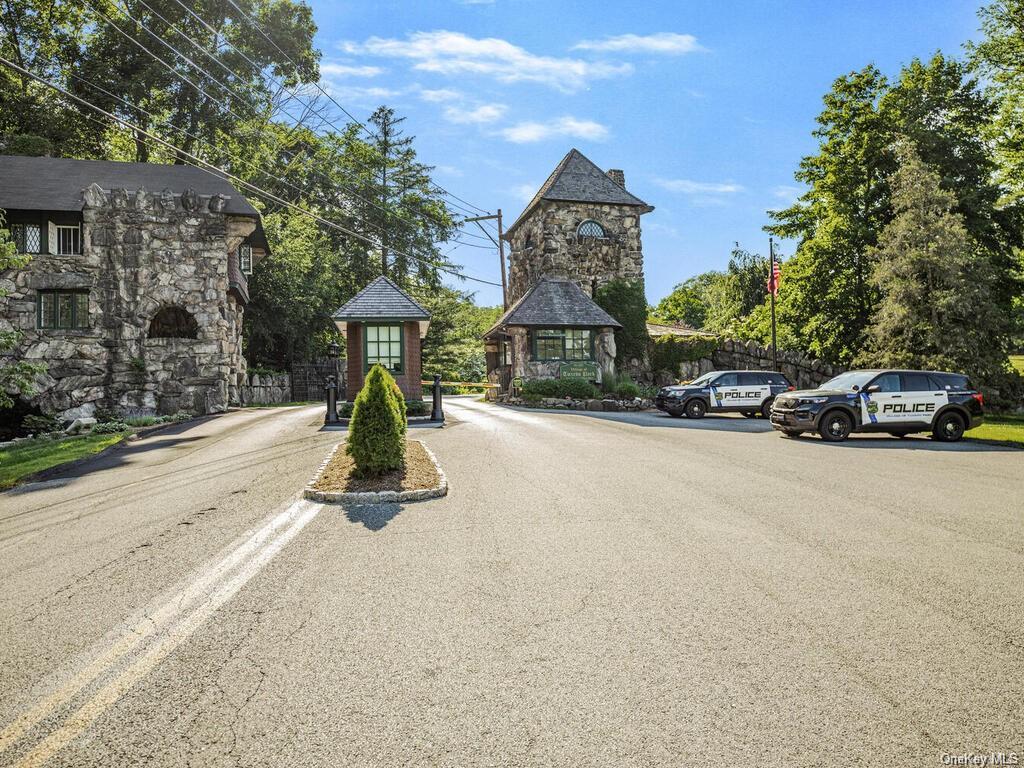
[(332, 385)]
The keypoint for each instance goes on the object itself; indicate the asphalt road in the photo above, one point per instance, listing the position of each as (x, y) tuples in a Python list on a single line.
[(596, 590)]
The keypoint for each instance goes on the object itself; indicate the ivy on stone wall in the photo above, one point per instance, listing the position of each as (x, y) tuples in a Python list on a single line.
[(625, 301), (669, 351)]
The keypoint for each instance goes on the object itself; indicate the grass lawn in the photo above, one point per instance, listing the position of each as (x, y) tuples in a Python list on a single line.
[(36, 455), (1006, 428)]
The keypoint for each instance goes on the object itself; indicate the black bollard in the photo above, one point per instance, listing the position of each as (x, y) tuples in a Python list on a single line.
[(437, 414), (332, 401)]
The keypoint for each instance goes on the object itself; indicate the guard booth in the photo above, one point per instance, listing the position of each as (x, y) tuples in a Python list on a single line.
[(382, 324)]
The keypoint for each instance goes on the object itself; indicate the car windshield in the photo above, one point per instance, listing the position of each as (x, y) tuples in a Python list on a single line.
[(700, 381), (849, 380)]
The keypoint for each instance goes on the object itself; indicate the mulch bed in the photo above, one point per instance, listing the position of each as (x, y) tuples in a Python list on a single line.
[(419, 474)]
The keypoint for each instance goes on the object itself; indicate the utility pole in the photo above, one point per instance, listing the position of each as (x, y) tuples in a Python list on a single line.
[(500, 244)]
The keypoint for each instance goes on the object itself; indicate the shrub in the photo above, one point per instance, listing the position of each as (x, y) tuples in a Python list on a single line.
[(38, 424), (626, 302), (417, 408), (627, 390), (109, 428), (403, 410), (580, 389), (669, 351), (376, 433)]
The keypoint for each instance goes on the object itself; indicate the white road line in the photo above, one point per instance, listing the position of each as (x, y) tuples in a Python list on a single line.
[(163, 631)]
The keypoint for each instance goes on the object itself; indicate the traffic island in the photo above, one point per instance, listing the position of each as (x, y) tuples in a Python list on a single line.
[(337, 482)]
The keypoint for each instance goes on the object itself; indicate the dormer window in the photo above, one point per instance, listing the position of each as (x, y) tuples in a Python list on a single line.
[(28, 238), (245, 259), (590, 228), (69, 239)]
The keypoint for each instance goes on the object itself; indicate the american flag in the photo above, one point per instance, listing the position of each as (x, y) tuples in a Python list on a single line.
[(773, 279)]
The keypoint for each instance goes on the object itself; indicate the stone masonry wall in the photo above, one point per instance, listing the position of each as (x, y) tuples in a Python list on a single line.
[(140, 253), (265, 388), (804, 372), (546, 244)]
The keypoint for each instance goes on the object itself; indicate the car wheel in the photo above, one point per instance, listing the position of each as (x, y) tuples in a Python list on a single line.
[(835, 426), (696, 409), (949, 428), (792, 432), (675, 414), (766, 409)]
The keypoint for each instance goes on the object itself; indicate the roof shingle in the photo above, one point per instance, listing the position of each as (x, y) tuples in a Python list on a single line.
[(381, 300), (555, 303)]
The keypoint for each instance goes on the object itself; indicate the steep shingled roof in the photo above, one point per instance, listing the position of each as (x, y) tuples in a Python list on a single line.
[(578, 179), (381, 300), (555, 303), (56, 183)]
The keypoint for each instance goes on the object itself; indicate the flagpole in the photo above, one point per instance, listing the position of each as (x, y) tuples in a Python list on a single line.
[(773, 282)]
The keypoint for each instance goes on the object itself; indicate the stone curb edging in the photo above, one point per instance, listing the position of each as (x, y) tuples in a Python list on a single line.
[(375, 497)]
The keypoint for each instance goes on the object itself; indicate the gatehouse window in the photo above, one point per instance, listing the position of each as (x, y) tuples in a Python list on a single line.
[(28, 238), (69, 239), (62, 309), (590, 228), (563, 344), (245, 259), (383, 346), (173, 322)]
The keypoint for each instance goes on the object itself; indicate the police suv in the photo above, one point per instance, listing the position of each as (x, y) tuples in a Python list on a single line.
[(747, 392), (897, 402)]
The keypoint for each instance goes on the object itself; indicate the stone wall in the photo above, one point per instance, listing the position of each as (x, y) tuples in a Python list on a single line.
[(140, 253), (545, 244), (265, 388), (803, 371)]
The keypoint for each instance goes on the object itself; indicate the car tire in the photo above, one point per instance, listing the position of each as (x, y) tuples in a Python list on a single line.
[(835, 426), (766, 409), (949, 427), (695, 409), (791, 432), (675, 414)]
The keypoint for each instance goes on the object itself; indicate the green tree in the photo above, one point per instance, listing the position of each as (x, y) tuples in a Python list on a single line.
[(16, 376), (937, 284), (625, 301), (454, 346), (376, 432), (684, 305)]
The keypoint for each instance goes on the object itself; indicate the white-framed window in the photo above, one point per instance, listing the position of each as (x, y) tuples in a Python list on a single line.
[(383, 346), (245, 259), (590, 228), (28, 238), (69, 239)]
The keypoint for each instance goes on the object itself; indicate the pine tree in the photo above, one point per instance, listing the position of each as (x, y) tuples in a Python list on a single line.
[(936, 282), (376, 433)]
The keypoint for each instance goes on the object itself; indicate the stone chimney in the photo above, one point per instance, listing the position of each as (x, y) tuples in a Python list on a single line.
[(617, 176)]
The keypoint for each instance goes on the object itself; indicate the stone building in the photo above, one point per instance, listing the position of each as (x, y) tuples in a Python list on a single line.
[(382, 324), (580, 231), (582, 225), (136, 291)]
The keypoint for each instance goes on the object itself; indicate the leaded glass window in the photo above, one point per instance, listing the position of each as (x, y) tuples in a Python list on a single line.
[(28, 238), (245, 259), (63, 309), (577, 344), (384, 346), (590, 228)]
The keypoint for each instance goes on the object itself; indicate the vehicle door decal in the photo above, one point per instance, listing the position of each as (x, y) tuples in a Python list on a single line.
[(870, 407)]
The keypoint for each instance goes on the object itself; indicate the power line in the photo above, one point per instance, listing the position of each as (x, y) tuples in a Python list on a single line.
[(214, 171)]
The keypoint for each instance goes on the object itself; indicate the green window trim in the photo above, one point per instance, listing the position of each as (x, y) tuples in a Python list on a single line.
[(390, 361), (561, 344), (62, 310)]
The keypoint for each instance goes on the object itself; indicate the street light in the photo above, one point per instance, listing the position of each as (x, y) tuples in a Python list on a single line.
[(333, 350), (332, 385)]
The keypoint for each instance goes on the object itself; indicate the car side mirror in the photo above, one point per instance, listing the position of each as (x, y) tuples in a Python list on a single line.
[(873, 388)]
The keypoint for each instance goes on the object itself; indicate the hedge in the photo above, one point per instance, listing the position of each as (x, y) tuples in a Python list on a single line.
[(579, 389)]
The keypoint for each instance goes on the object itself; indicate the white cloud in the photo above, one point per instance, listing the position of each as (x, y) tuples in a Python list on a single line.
[(670, 43), (359, 95), (448, 170), (530, 131), (454, 53), (689, 187), (524, 192), (440, 94), (332, 69), (485, 113), (787, 193)]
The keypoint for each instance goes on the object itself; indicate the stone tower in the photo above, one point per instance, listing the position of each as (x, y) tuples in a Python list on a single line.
[(582, 225)]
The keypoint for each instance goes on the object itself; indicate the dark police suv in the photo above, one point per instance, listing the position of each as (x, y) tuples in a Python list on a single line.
[(897, 402), (747, 392)]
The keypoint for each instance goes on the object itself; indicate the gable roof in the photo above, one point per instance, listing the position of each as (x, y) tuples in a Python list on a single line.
[(555, 303), (56, 183), (578, 179), (381, 300)]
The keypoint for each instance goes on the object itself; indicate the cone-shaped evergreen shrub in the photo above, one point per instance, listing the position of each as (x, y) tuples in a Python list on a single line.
[(376, 432), (400, 403)]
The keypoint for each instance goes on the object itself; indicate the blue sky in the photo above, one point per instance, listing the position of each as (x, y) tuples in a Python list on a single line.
[(707, 106)]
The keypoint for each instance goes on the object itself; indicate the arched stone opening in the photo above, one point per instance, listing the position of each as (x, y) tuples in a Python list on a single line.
[(173, 322)]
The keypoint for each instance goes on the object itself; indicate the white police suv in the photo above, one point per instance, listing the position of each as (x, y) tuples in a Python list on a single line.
[(747, 392)]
